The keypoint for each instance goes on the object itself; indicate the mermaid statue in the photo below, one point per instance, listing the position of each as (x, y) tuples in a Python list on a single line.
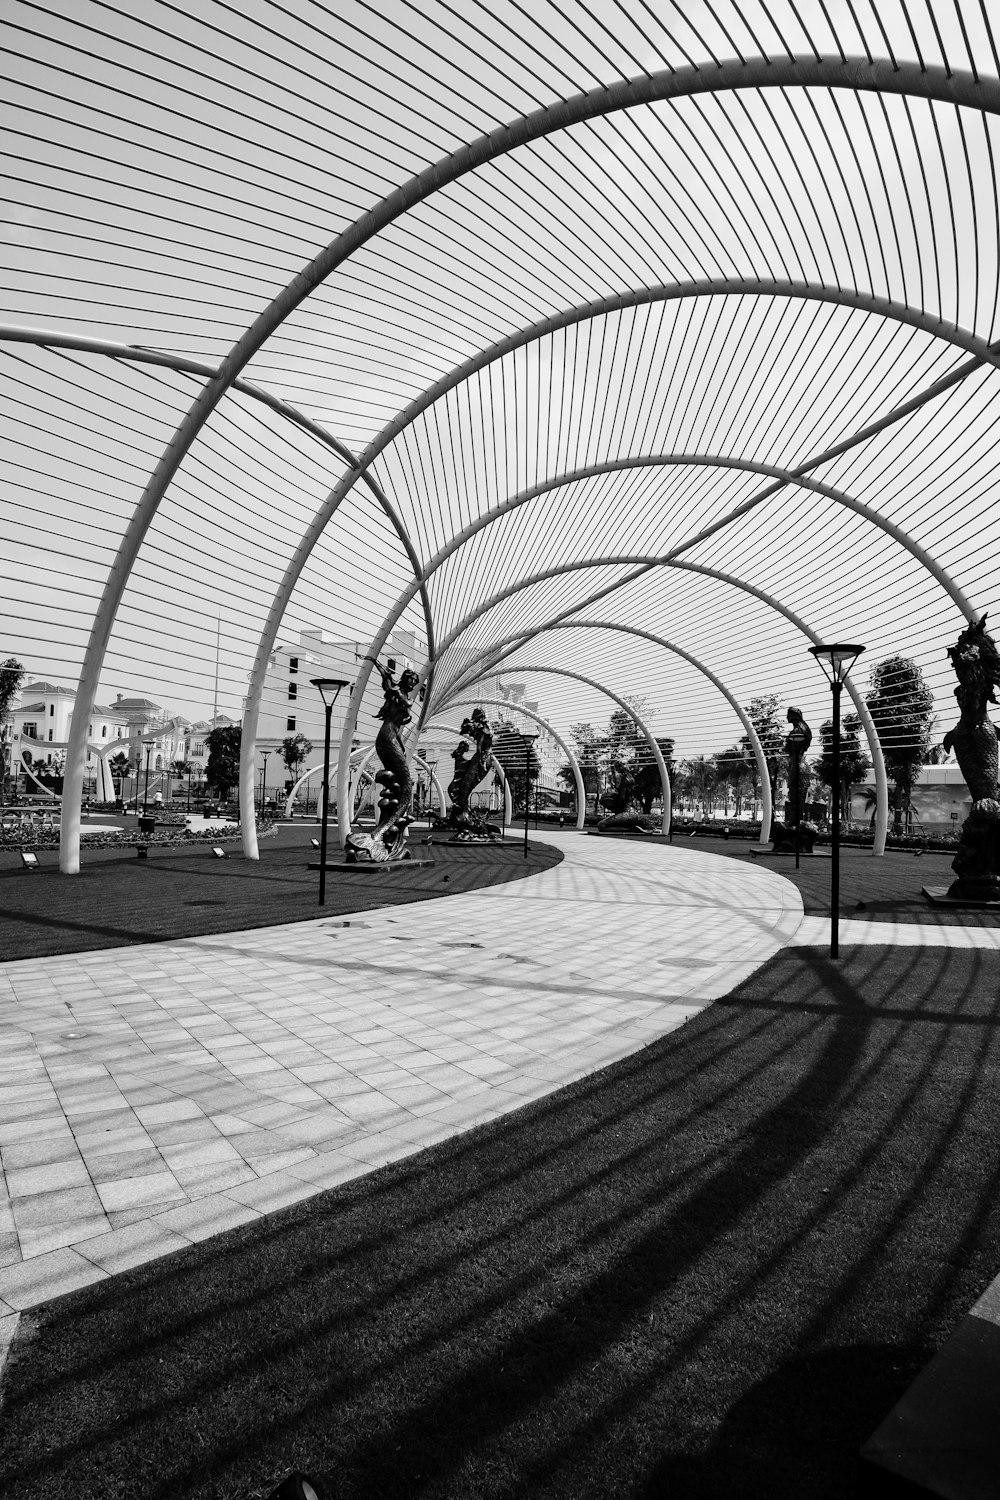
[(388, 841), (974, 740)]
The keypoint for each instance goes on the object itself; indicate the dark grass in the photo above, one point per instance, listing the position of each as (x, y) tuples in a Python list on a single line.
[(708, 1271), (118, 898), (887, 889)]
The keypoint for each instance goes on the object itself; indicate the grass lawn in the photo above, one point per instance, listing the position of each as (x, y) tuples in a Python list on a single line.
[(175, 892), (705, 1272)]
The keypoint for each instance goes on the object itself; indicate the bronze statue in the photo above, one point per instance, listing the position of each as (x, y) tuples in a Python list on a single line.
[(470, 770), (974, 740), (388, 841), (795, 836)]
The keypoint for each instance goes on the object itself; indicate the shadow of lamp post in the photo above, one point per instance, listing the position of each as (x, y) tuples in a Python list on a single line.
[(329, 690), (836, 661)]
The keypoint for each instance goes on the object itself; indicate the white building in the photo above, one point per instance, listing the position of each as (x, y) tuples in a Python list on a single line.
[(40, 727), (290, 705)]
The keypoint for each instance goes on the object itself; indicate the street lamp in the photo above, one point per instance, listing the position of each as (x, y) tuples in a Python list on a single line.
[(329, 690), (145, 790), (836, 661), (263, 781), (529, 740)]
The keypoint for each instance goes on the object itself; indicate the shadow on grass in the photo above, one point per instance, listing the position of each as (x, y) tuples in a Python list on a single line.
[(708, 1270)]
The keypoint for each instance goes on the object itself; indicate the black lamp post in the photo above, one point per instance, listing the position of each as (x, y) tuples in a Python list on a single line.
[(329, 690), (529, 740), (145, 789), (836, 661), (263, 781)]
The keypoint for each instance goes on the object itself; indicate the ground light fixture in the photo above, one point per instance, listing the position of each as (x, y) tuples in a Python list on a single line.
[(836, 661), (329, 690), (297, 1487)]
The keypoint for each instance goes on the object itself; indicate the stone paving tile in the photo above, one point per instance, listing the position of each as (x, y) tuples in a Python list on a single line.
[(47, 1276), (134, 1245), (228, 1074), (199, 1221)]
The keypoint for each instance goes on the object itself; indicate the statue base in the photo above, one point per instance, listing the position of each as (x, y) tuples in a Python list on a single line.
[(944, 895), (342, 867)]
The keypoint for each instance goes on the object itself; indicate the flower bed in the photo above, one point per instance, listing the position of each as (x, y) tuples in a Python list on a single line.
[(172, 834)]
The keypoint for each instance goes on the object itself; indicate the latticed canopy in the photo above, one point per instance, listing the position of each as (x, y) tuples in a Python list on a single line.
[(646, 343)]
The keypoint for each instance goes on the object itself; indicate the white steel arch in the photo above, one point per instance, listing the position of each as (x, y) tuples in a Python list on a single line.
[(767, 811), (942, 83)]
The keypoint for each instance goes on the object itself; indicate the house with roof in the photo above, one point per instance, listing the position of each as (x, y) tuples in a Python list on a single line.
[(40, 727)]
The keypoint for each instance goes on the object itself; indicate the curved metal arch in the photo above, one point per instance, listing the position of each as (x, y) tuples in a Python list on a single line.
[(536, 718), (984, 353), (508, 801), (784, 71), (860, 706), (642, 727), (645, 563), (45, 338), (767, 810)]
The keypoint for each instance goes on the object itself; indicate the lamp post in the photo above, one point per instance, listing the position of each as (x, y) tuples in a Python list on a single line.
[(263, 781), (329, 690), (145, 789), (529, 740), (836, 661)]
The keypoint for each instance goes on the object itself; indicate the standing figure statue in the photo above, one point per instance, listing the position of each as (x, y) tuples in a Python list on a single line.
[(470, 770), (974, 740), (388, 841), (795, 836)]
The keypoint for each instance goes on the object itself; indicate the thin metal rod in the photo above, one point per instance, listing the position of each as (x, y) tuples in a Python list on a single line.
[(835, 842), (326, 807)]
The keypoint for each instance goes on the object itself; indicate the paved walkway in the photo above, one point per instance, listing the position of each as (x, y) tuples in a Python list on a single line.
[(153, 1096)]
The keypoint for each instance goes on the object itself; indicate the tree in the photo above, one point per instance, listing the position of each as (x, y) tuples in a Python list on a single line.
[(854, 763), (118, 766), (767, 719), (294, 749), (223, 768), (699, 778), (902, 709), (11, 677), (734, 770), (621, 747), (648, 786)]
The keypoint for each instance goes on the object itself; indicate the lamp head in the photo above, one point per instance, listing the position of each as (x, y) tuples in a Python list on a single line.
[(836, 659), (329, 688)]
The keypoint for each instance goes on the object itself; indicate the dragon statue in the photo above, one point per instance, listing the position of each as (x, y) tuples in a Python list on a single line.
[(388, 841), (464, 826), (974, 740)]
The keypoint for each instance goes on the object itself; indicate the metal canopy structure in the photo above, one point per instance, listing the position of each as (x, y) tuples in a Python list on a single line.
[(461, 317)]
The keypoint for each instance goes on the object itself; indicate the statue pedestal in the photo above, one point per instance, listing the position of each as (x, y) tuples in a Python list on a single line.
[(941, 895), (341, 867)]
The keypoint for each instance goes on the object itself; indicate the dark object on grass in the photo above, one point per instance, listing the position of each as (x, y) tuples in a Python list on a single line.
[(783, 837), (626, 817), (298, 1487), (29, 860), (974, 739)]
